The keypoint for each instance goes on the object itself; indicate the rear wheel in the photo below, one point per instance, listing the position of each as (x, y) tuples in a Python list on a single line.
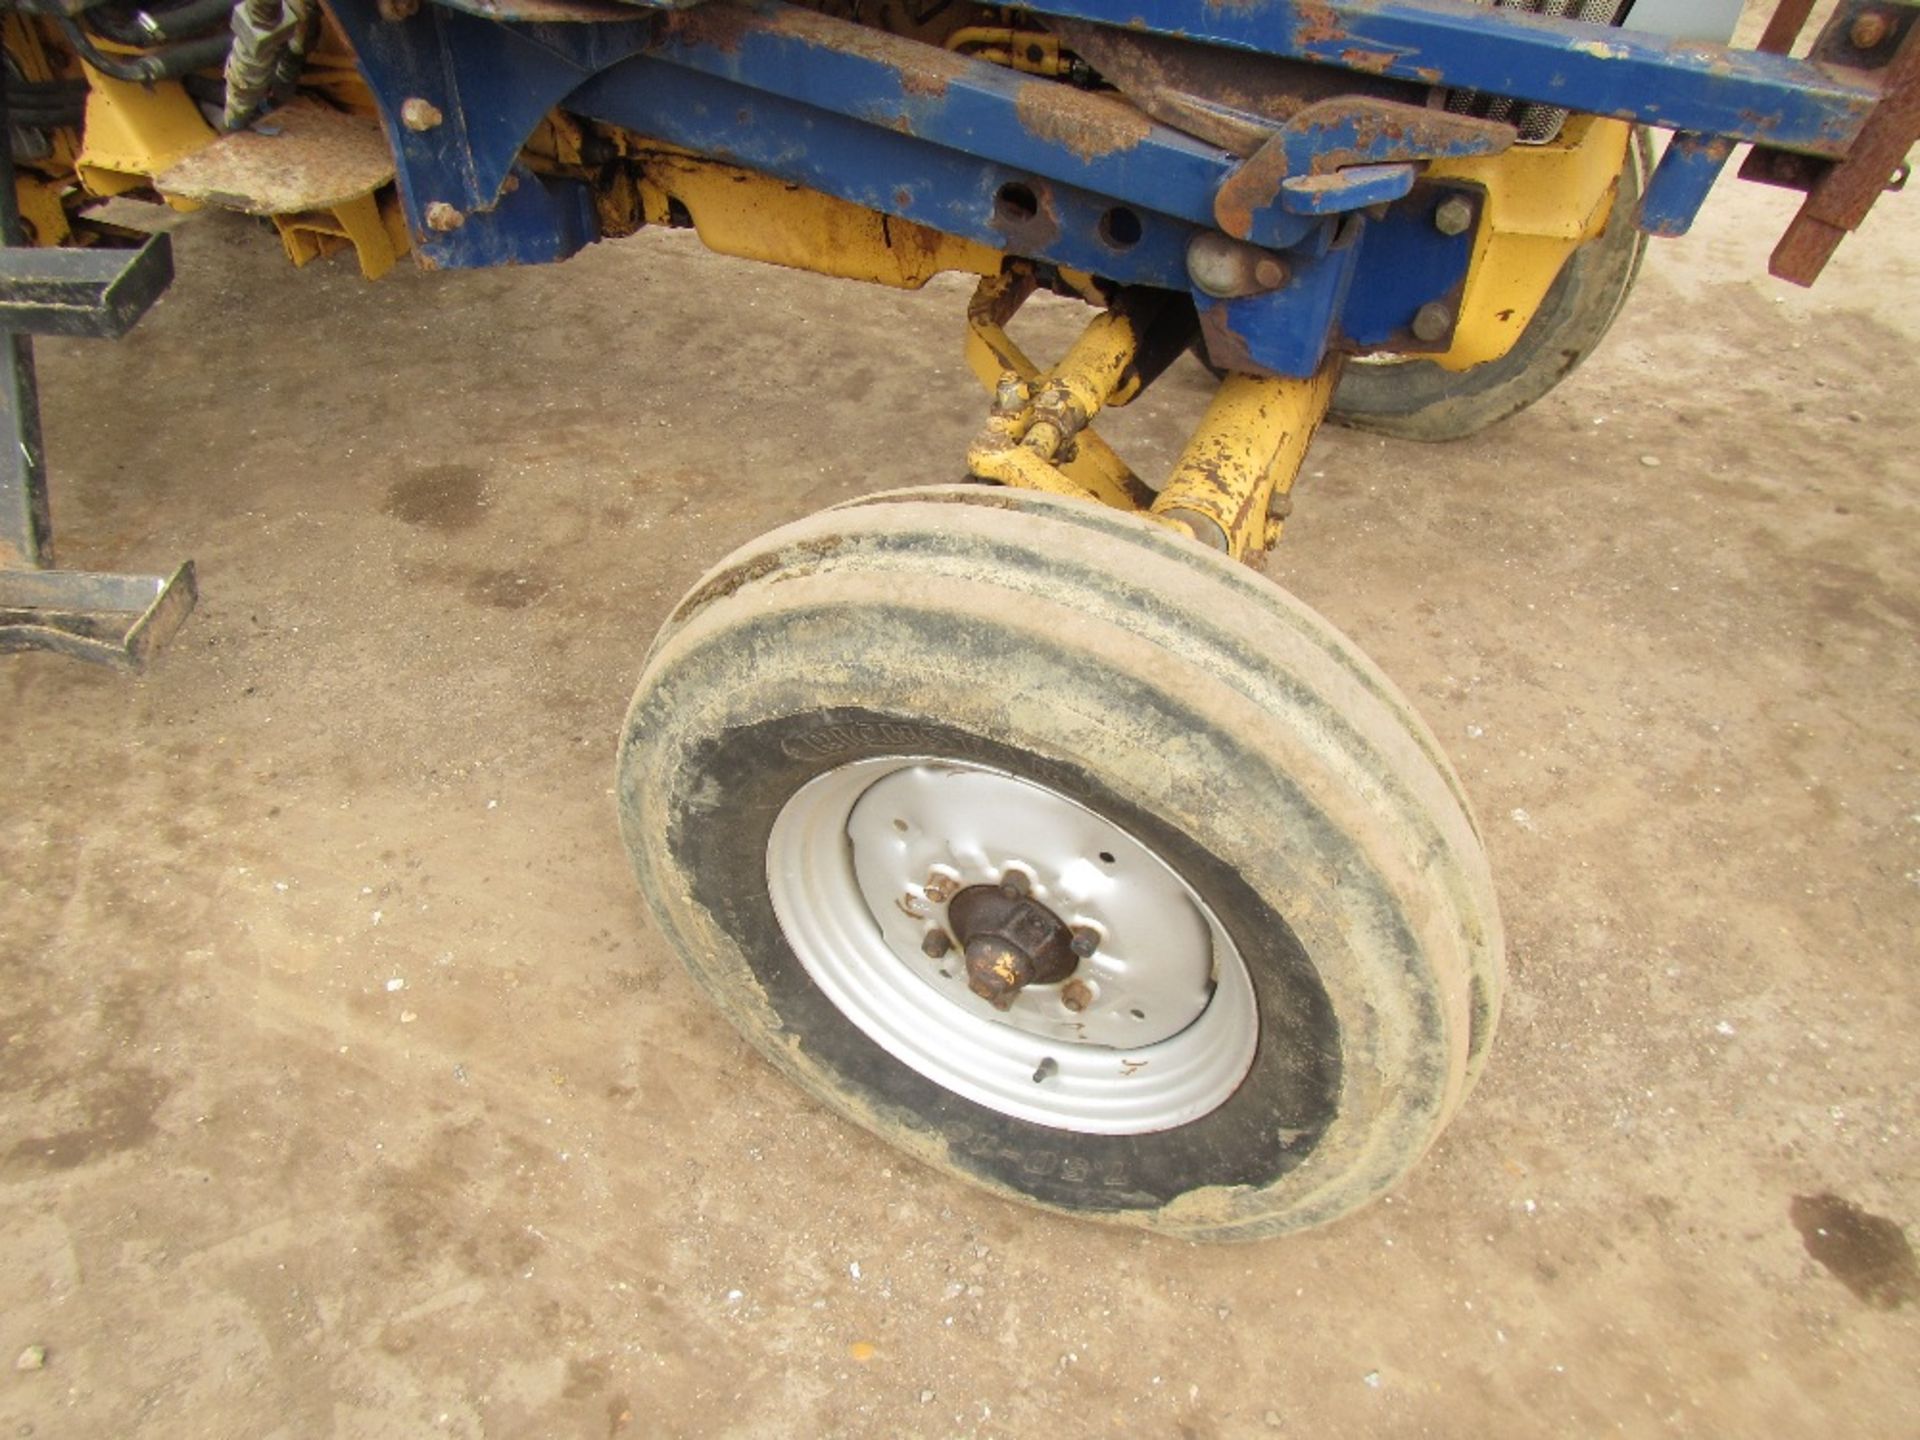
[(1068, 856), (1418, 400)]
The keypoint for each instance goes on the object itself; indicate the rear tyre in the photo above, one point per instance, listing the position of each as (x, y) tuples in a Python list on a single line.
[(891, 718), (1417, 400)]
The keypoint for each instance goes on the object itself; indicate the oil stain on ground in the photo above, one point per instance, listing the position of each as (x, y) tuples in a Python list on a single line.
[(1868, 1254), (448, 498)]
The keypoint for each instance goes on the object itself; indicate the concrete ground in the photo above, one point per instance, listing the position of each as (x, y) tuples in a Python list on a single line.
[(346, 1090)]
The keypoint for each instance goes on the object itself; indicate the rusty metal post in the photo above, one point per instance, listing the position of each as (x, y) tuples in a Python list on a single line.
[(1243, 458)]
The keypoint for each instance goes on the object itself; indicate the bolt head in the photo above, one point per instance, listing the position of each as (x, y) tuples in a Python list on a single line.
[(1869, 28), (443, 217), (1085, 941), (940, 888), (420, 115), (1270, 272), (1453, 216), (1432, 322)]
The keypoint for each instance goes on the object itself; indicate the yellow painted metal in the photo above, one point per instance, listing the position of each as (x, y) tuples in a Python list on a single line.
[(331, 71), (1084, 381), (1038, 435), (376, 229), (41, 185), (738, 212), (136, 131), (1245, 453), (1034, 51), (1542, 203), (325, 178), (42, 216)]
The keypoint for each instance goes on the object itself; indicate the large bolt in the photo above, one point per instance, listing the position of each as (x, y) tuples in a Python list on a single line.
[(420, 115), (1869, 28), (1011, 395), (1453, 216), (443, 217), (1044, 439), (1431, 322), (1224, 268)]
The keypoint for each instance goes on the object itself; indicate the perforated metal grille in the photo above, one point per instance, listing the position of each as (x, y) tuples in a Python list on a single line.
[(1537, 124)]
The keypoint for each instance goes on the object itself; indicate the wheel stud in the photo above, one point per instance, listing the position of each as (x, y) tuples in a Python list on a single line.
[(1076, 995), (1085, 941), (935, 943)]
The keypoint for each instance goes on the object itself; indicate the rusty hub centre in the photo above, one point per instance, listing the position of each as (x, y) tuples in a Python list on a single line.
[(1010, 940)]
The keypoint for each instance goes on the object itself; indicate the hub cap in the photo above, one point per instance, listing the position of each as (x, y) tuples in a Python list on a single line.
[(875, 871)]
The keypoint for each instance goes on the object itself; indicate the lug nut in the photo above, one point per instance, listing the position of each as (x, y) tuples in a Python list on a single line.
[(1454, 216), (996, 970), (939, 888), (1015, 884), (1085, 941), (1431, 322), (1076, 995), (935, 944)]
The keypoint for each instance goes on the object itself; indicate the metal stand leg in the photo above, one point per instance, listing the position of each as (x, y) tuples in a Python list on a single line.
[(111, 619)]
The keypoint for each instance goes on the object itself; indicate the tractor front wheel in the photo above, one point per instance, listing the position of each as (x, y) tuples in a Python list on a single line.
[(1068, 856)]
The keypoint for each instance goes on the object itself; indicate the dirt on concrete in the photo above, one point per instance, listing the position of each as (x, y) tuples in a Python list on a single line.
[(345, 1090)]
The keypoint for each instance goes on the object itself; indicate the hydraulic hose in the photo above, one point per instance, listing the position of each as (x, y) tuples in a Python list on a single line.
[(167, 63), (69, 118), (160, 27), (45, 104)]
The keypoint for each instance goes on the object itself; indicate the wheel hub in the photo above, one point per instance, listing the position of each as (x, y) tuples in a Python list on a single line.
[(1012, 945), (1009, 939)]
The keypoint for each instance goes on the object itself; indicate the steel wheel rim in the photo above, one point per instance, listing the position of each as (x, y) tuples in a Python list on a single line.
[(1172, 1025)]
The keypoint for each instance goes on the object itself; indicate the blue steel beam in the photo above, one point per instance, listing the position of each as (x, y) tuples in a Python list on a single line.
[(899, 128), (1094, 142), (1680, 182), (883, 169), (1673, 84)]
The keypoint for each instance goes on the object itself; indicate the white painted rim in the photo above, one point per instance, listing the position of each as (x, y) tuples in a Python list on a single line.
[(1171, 1027)]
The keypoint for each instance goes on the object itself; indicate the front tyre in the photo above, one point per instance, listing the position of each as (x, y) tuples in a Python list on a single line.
[(1068, 856)]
